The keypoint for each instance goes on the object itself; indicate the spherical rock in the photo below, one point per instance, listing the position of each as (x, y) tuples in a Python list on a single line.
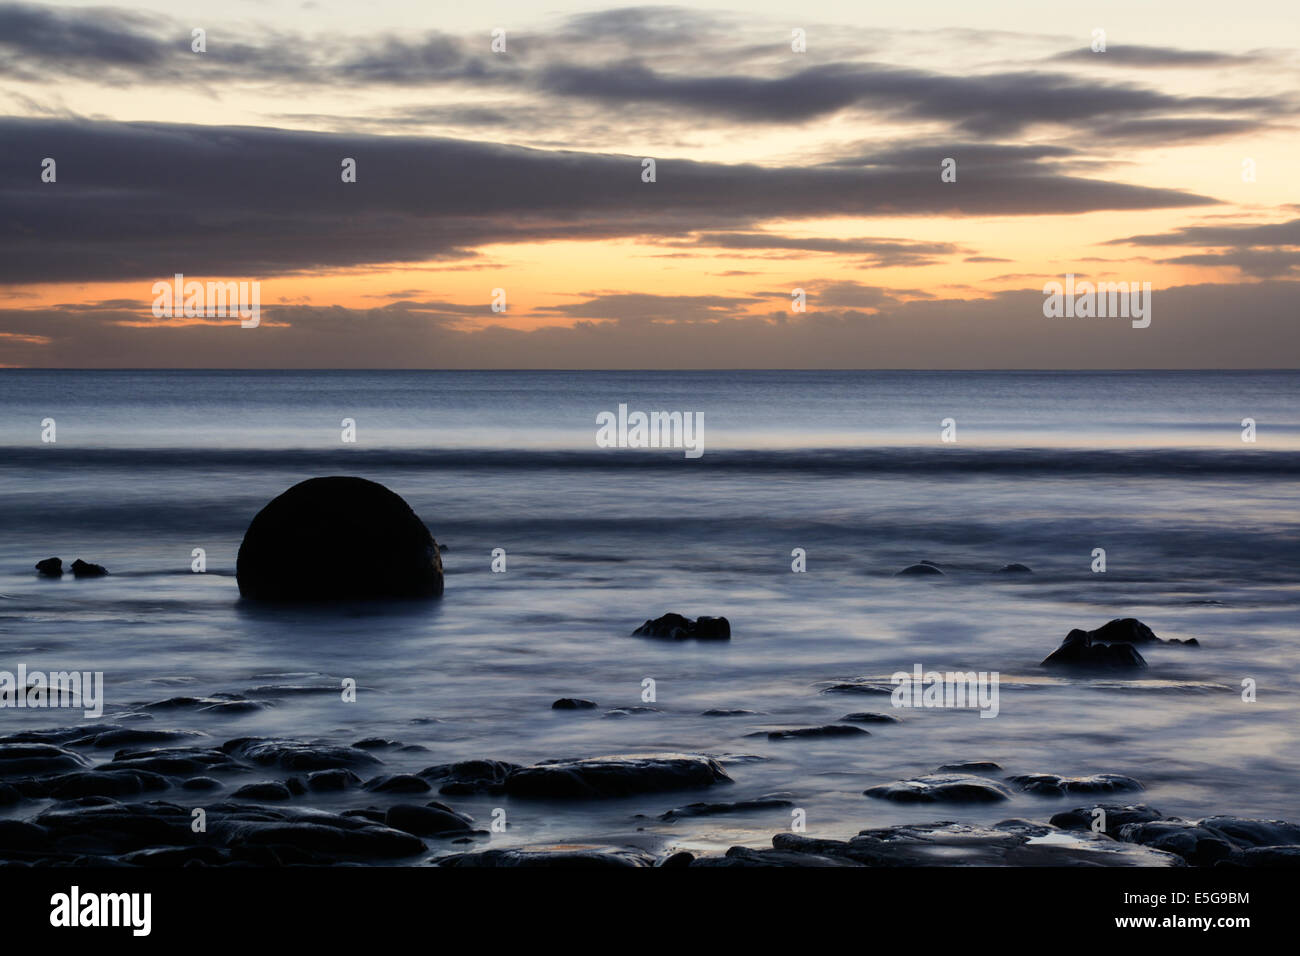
[(338, 538)]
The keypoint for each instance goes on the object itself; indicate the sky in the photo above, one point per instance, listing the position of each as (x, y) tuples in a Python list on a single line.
[(516, 177)]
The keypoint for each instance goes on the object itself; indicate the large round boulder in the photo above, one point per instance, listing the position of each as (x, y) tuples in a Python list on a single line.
[(332, 539)]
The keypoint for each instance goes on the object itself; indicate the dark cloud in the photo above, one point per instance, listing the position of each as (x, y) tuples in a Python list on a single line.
[(1158, 56), (137, 200), (1265, 234), (880, 252)]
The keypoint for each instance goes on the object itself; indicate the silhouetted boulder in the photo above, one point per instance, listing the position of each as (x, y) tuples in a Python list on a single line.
[(50, 567), (1016, 568), (923, 568), (674, 627), (84, 569), (330, 539), (1078, 651)]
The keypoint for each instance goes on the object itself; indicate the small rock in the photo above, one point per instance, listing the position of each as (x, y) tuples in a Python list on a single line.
[(830, 730), (50, 567), (83, 569), (573, 703), (916, 570), (675, 627), (941, 788), (1014, 569), (1054, 785)]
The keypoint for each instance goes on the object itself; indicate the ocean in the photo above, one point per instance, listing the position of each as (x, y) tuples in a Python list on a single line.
[(1200, 529)]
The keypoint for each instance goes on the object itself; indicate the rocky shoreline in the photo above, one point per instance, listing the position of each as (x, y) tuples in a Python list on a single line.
[(125, 811)]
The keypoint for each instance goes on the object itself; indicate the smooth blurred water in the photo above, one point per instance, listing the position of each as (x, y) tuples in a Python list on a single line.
[(1201, 530)]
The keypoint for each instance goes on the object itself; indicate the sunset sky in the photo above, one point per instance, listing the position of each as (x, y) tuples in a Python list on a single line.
[(775, 170)]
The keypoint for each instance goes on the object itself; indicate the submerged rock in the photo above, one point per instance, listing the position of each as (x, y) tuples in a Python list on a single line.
[(941, 787), (1078, 651), (715, 809), (470, 776), (1015, 568), (19, 758), (615, 776), (864, 717), (338, 538), (557, 855), (675, 627), (830, 730), (84, 569), (397, 783), (295, 755), (50, 567), (922, 569), (1113, 817), (426, 821), (1054, 785), (573, 703)]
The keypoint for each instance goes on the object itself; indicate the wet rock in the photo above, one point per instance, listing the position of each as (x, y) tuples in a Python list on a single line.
[(1015, 568), (171, 857), (856, 687), (397, 783), (327, 781), (920, 570), (1271, 856), (558, 856), (1114, 816), (126, 736), (56, 735), (830, 730), (84, 569), (235, 708), (50, 567), (338, 538), (271, 790), (1217, 840), (673, 860), (1198, 845), (1079, 652), (19, 758), (425, 821), (573, 703), (18, 835), (313, 835), (377, 743), (717, 712), (1054, 785), (615, 776), (1124, 630), (470, 776), (1010, 843), (675, 627), (865, 717), (201, 784), (106, 782), (294, 755), (941, 788), (971, 766), (716, 809), (113, 827), (175, 761), (743, 856), (620, 712)]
